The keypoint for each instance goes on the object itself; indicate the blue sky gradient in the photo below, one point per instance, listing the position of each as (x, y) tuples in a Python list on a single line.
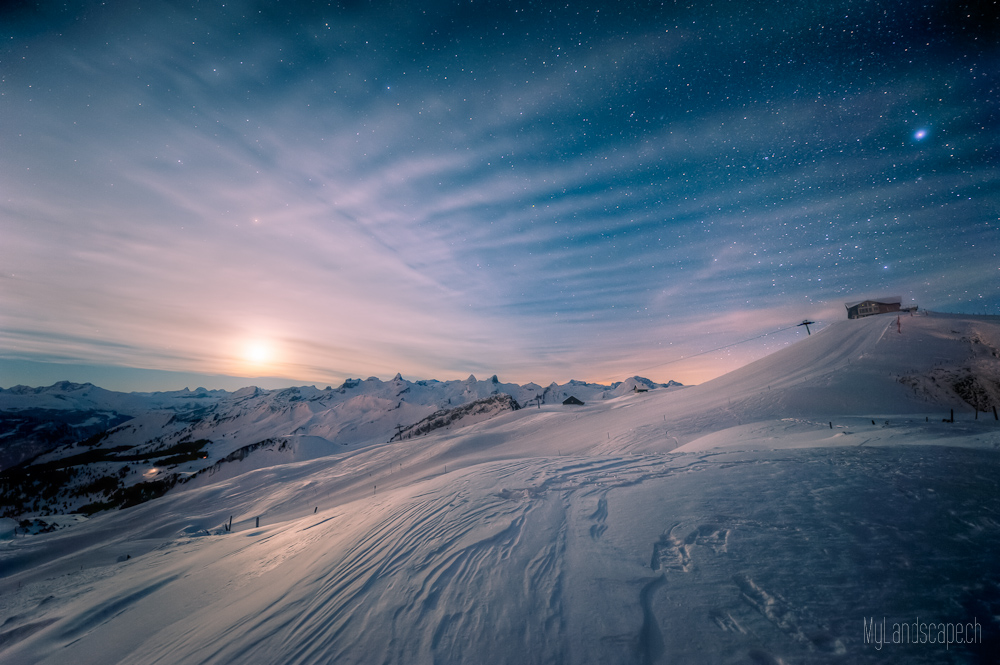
[(320, 190)]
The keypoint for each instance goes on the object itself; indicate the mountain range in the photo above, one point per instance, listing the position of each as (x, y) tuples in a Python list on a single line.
[(99, 447)]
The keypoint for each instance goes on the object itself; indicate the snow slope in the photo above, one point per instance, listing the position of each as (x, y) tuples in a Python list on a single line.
[(757, 518)]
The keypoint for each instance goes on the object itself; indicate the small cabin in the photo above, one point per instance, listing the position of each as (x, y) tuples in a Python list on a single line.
[(637, 389), (572, 401), (863, 308)]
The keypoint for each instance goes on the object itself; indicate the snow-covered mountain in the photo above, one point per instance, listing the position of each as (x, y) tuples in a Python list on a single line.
[(36, 420), (101, 449), (776, 514)]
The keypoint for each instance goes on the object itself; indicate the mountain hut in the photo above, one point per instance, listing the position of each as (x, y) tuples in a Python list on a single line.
[(863, 308)]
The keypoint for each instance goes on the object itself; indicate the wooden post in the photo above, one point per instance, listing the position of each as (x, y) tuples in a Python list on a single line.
[(257, 526), (995, 414), (831, 424)]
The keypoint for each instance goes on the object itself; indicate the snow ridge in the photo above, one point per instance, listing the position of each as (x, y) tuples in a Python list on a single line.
[(486, 407)]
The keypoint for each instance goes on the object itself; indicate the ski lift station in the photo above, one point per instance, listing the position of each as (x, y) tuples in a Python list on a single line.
[(863, 308)]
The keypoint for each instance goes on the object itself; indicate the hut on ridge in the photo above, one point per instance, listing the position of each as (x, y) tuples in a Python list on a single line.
[(863, 308)]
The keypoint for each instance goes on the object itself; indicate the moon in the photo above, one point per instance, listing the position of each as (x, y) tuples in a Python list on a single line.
[(257, 353)]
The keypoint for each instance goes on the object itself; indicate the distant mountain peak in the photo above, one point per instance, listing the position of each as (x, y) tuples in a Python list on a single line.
[(69, 386)]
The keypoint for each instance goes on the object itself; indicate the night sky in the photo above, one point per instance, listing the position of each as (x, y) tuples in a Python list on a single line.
[(539, 190)]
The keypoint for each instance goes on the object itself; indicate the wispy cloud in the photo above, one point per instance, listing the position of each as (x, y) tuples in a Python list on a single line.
[(369, 197)]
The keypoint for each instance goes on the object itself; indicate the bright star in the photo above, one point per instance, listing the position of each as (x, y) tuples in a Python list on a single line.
[(920, 134)]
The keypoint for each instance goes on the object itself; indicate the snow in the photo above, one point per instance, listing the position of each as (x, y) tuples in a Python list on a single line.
[(85, 396), (756, 518)]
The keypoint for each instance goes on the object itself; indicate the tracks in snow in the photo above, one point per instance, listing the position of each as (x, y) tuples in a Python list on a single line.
[(766, 557)]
